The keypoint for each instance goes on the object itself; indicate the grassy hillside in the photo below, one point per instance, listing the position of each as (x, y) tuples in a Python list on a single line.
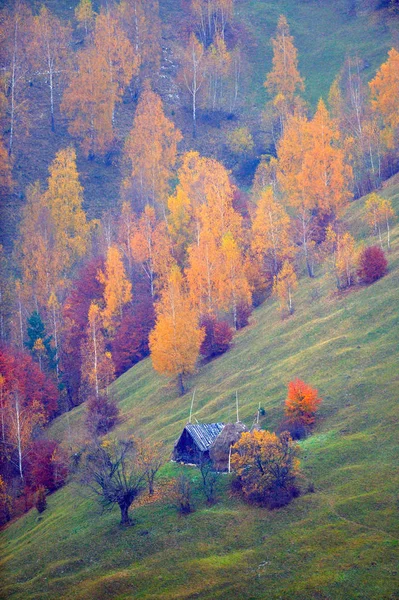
[(339, 542)]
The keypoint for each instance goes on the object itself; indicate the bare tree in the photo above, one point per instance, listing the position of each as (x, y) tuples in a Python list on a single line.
[(114, 474)]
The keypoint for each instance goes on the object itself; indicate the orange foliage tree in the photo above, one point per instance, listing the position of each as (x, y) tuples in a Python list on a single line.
[(150, 247), (312, 175), (266, 465), (302, 403), (271, 236), (141, 21), (104, 69), (176, 338), (117, 289), (384, 96), (284, 81), (150, 152)]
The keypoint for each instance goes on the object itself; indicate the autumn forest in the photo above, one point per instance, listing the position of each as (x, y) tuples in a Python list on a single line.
[(156, 200)]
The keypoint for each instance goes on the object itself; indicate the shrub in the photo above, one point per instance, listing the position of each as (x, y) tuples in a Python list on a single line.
[(240, 141), (372, 264), (183, 494), (41, 500), (218, 336), (244, 311), (102, 414)]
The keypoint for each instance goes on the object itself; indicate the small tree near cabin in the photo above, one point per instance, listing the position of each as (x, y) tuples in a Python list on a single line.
[(266, 466), (113, 473), (151, 457)]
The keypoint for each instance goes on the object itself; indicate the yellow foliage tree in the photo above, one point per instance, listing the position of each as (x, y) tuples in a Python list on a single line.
[(326, 175), (64, 199), (176, 338), (192, 73), (312, 174), (142, 23), (379, 213), (218, 61), (85, 15), (266, 465), (346, 260)]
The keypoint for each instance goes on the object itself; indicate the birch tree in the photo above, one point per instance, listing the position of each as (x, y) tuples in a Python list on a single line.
[(50, 53)]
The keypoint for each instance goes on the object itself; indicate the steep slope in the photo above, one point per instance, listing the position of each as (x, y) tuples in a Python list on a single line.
[(339, 542)]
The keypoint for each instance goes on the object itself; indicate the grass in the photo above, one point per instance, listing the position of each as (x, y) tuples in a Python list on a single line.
[(340, 542)]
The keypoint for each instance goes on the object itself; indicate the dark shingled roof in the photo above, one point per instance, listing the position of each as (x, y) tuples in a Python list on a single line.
[(204, 433)]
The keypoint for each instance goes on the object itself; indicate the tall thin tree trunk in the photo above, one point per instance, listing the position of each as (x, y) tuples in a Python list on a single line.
[(19, 440), (180, 384)]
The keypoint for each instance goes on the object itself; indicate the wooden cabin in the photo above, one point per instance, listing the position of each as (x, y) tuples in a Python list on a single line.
[(219, 450), (193, 445)]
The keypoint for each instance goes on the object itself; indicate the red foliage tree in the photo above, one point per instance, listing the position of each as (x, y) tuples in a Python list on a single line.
[(86, 288), (130, 344), (48, 465), (372, 264), (218, 336), (35, 389), (28, 400), (301, 403)]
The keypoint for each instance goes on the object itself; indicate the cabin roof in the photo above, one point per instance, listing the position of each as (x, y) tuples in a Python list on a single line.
[(204, 433)]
